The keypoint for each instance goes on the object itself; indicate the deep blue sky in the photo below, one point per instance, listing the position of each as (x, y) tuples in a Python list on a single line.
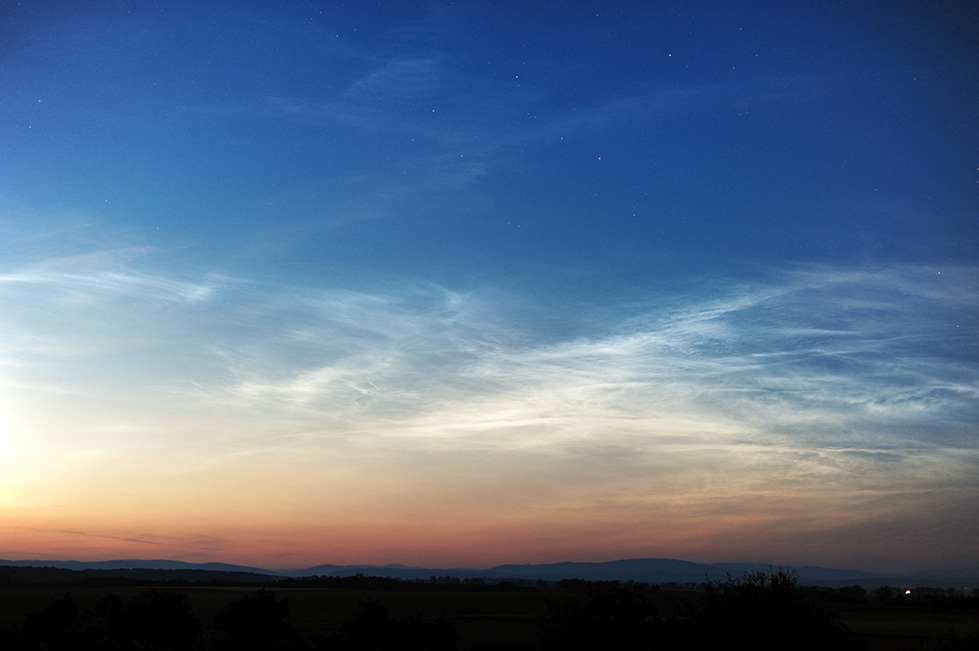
[(546, 240)]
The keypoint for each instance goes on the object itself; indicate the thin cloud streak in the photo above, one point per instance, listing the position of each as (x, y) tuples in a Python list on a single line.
[(87, 534)]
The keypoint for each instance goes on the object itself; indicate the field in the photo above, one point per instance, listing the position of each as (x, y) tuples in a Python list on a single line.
[(480, 616), (906, 628)]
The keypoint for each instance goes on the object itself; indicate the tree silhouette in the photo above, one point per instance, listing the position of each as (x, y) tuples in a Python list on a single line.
[(764, 611), (153, 619), (373, 629), (613, 618), (57, 626), (257, 621)]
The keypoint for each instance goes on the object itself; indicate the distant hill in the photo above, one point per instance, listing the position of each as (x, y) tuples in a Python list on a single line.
[(143, 564), (47, 573), (645, 570)]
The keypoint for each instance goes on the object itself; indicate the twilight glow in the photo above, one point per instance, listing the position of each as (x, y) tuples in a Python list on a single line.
[(286, 284)]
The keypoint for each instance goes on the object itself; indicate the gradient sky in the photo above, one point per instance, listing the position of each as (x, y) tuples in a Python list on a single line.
[(445, 284)]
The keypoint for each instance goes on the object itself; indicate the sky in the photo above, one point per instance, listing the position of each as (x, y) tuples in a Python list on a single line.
[(462, 284)]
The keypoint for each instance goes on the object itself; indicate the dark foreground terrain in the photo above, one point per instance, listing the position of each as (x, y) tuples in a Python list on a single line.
[(762, 610)]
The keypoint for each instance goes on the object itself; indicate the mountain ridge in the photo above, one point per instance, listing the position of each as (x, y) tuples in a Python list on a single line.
[(647, 570)]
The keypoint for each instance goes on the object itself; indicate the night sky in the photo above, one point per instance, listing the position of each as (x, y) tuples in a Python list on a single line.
[(459, 284)]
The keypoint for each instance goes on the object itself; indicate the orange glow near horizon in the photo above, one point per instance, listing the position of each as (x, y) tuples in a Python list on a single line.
[(450, 533), (688, 488)]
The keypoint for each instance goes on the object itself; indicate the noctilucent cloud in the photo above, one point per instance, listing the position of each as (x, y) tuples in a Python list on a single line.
[(459, 284)]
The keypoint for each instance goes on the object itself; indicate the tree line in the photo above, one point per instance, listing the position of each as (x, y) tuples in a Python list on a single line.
[(758, 611)]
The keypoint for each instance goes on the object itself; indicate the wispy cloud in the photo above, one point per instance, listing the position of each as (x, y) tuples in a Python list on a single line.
[(400, 79), (818, 353), (801, 365), (394, 95), (654, 106), (839, 386), (78, 289), (408, 188)]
